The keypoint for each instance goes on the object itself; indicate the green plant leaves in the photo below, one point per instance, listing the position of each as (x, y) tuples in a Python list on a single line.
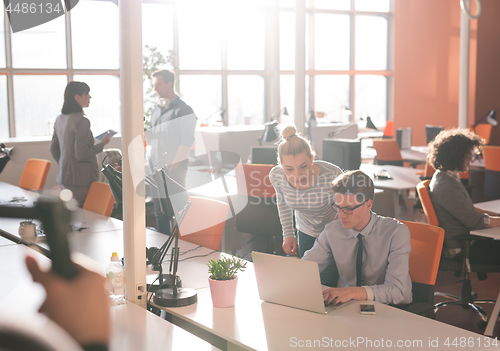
[(226, 267)]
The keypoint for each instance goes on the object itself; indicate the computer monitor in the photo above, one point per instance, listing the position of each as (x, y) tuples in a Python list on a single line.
[(432, 131), (265, 155), (345, 153)]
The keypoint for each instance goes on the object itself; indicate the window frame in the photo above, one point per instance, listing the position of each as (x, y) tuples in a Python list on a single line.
[(271, 72)]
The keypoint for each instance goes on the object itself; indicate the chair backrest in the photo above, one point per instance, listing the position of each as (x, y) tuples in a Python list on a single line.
[(204, 222), (389, 129), (99, 199), (484, 130), (426, 245), (491, 155), (34, 174), (387, 149), (429, 170), (253, 180), (425, 198)]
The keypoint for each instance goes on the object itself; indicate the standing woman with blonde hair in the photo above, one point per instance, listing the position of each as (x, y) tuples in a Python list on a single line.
[(304, 192), (72, 144)]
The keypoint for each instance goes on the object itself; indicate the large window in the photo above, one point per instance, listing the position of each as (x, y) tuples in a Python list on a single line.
[(347, 60), (233, 58), (36, 64)]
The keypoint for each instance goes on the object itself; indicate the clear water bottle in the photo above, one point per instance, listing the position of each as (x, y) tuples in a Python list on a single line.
[(115, 280)]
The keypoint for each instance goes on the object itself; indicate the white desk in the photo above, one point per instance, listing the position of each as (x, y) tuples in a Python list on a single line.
[(493, 206), (404, 178), (256, 325), (133, 328)]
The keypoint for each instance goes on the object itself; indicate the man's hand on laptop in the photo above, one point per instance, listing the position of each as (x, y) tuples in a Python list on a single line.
[(342, 295)]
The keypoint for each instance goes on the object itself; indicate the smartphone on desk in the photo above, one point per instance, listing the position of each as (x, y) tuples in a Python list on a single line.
[(367, 309)]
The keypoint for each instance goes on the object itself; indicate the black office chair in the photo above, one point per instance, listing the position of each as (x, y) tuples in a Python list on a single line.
[(467, 298), (260, 215)]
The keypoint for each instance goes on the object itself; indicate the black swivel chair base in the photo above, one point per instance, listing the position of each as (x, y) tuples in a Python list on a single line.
[(466, 300)]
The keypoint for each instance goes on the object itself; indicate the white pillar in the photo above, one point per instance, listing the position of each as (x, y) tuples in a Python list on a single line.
[(300, 65), (134, 226), (463, 92)]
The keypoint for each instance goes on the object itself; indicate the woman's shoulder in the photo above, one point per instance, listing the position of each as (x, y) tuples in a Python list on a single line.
[(277, 174)]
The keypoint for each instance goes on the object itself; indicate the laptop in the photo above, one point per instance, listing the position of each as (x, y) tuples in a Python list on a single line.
[(290, 282)]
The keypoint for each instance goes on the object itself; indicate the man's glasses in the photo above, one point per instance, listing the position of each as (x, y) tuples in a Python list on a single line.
[(347, 210)]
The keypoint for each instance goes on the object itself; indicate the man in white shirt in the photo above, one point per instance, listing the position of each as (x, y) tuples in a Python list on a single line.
[(371, 252)]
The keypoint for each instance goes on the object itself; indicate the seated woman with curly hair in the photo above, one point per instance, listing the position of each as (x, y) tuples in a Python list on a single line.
[(450, 153)]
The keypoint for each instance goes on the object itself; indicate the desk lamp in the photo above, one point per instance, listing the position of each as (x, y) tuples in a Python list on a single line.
[(491, 118), (369, 123), (270, 132), (222, 113), (169, 293), (10, 153), (283, 111)]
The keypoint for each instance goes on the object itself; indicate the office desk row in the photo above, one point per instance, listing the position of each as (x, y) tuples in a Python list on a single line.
[(251, 324), (133, 328)]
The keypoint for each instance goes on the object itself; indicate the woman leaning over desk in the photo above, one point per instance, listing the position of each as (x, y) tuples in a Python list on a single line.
[(303, 191), (451, 152), (72, 144)]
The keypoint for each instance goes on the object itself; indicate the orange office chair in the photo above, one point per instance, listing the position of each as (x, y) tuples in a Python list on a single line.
[(491, 155), (428, 171), (388, 152), (423, 193), (389, 130), (463, 268), (99, 199), (426, 245), (34, 174), (260, 216), (484, 130), (204, 222)]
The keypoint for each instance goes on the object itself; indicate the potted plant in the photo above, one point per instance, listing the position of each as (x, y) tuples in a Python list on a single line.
[(223, 279)]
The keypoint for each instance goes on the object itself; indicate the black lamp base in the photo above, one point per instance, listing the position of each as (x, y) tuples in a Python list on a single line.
[(165, 297)]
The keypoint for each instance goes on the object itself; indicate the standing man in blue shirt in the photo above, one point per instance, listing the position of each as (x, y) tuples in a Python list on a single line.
[(172, 134), (371, 252)]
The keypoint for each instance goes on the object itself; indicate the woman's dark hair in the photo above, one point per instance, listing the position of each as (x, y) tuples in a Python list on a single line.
[(73, 88), (448, 151)]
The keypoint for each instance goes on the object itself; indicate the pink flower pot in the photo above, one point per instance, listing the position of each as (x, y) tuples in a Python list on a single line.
[(223, 292)]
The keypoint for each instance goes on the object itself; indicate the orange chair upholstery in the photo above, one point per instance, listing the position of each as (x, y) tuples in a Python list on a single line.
[(99, 199), (389, 130), (426, 245), (253, 180), (425, 255), (484, 130), (260, 215), (204, 222), (423, 193), (428, 171), (491, 156), (388, 152), (34, 174)]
